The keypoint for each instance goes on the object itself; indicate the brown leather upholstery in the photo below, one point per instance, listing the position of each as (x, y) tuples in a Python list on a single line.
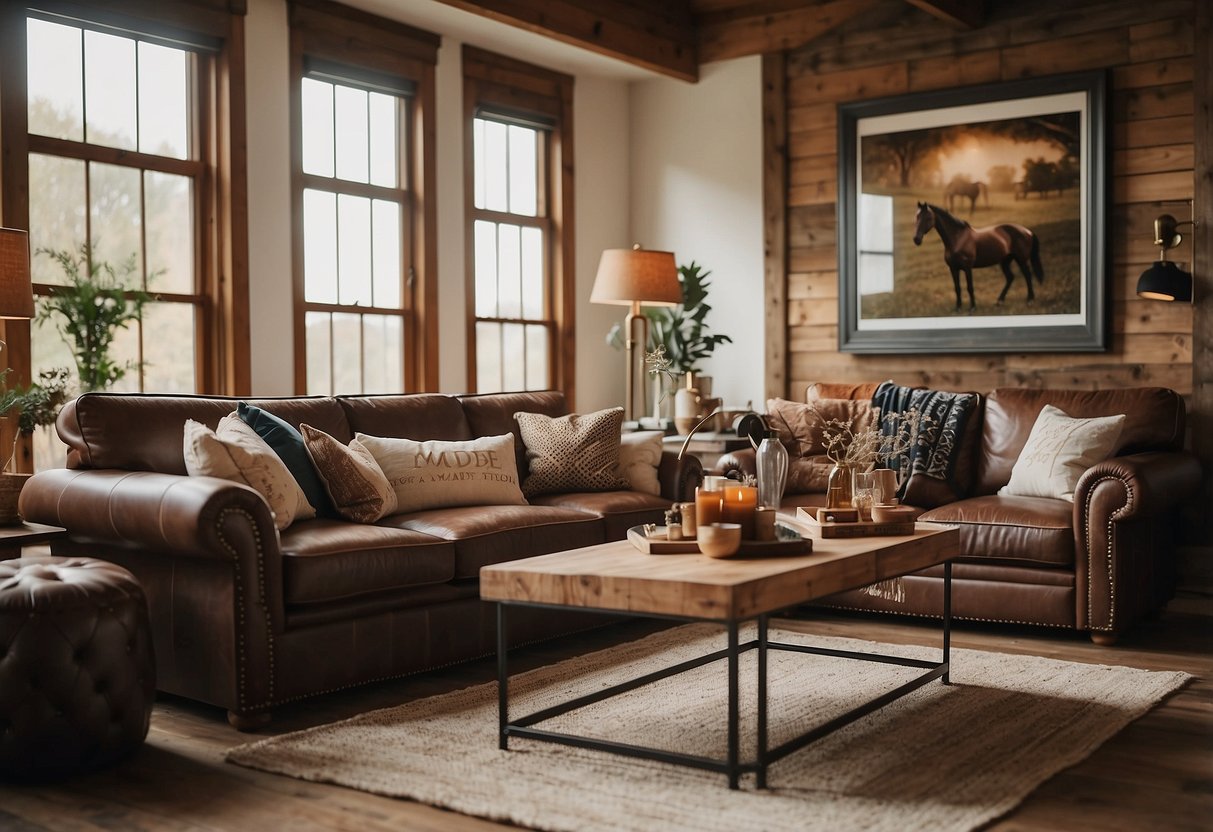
[(77, 676), (247, 618), (1098, 564), (619, 511)]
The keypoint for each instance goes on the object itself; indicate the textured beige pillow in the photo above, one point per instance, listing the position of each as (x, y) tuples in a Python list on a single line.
[(478, 472), (639, 457), (234, 451), (571, 453), (353, 479), (1059, 450)]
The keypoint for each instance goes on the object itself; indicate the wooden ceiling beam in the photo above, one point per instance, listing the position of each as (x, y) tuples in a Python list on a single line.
[(656, 36), (771, 26), (967, 13)]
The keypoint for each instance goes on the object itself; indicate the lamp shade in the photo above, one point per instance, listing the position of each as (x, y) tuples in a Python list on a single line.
[(1165, 281), (637, 275), (16, 293)]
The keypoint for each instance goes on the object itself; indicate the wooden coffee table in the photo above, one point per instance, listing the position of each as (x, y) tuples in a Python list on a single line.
[(616, 578)]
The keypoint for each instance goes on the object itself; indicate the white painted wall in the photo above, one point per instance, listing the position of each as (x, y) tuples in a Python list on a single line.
[(696, 173), (601, 136)]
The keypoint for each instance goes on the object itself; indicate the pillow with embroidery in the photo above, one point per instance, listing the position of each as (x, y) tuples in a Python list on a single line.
[(1059, 450)]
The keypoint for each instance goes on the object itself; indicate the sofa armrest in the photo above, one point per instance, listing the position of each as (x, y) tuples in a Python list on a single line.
[(185, 515), (738, 464), (1126, 510), (679, 477)]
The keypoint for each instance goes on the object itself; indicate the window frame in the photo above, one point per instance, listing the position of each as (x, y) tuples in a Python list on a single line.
[(370, 46), (501, 87)]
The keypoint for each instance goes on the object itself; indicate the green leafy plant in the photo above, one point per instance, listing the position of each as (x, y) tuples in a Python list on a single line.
[(89, 310), (680, 331), (36, 405)]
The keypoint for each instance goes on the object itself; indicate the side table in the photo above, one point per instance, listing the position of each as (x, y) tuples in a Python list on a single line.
[(12, 538), (708, 446)]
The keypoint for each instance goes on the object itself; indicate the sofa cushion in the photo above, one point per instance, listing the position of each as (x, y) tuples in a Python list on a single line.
[(577, 452), (490, 414), (639, 458), (327, 560), (234, 452), (619, 510), (1058, 452), (1037, 530), (493, 534), (801, 427), (434, 474), (351, 476), (287, 442), (419, 416), (1154, 421)]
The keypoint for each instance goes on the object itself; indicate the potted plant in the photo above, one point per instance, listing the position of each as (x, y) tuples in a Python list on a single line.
[(89, 310), (33, 407), (679, 332)]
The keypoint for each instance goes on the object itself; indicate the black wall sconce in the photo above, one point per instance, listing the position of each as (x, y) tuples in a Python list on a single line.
[(1164, 280)]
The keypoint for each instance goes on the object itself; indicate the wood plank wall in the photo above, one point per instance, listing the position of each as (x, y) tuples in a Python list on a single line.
[(1148, 50)]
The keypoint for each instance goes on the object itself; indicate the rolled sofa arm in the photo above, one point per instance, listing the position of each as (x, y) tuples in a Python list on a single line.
[(186, 515), (1125, 514), (738, 464), (679, 477)]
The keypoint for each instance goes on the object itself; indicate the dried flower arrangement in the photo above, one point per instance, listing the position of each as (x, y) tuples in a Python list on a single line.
[(865, 447)]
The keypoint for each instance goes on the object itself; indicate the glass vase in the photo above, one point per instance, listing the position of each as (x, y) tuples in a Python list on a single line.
[(771, 462), (840, 488)]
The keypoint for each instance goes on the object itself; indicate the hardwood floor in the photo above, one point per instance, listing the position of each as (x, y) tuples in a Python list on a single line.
[(1156, 774)]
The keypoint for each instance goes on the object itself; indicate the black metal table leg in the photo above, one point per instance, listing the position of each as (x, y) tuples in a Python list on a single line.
[(762, 703), (947, 618), (503, 683), (734, 710)]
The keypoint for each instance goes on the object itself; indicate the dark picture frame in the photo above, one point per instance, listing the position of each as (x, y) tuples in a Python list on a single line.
[(1025, 162)]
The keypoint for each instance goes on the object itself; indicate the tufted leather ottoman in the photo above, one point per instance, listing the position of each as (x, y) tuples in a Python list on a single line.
[(77, 675)]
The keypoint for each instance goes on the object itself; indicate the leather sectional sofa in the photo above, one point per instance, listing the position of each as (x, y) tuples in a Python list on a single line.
[(246, 617), (1097, 564)]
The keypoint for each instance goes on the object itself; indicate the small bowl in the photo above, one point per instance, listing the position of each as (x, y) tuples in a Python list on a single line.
[(719, 540), (893, 514)]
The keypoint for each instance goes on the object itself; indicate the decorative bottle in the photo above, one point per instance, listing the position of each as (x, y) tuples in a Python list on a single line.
[(771, 461)]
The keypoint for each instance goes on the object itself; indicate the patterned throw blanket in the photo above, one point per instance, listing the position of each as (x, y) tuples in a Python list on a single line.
[(934, 448)]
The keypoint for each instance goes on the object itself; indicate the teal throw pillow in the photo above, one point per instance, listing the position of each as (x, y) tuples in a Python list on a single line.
[(287, 442)]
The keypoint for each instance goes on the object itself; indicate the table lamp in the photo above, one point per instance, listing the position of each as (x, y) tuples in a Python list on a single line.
[(636, 277)]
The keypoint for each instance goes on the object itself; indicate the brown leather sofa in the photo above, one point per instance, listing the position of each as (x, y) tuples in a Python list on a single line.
[(1098, 564), (247, 618)]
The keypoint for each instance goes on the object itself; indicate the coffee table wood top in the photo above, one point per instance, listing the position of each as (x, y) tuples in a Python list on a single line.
[(616, 576)]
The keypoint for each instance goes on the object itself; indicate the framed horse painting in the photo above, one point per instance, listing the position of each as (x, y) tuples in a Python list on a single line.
[(973, 220)]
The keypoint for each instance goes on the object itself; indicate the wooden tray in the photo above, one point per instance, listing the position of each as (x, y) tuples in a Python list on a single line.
[(751, 548), (863, 528)]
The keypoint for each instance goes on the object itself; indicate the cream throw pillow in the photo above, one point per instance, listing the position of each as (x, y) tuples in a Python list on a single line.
[(353, 479), (478, 472), (639, 457), (571, 453), (1059, 450), (234, 451)]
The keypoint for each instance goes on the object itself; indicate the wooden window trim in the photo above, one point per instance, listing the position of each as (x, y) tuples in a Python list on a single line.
[(512, 86), (224, 356), (357, 39)]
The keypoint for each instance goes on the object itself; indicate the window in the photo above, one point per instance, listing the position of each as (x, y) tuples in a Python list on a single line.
[(519, 225), (360, 241), (115, 177)]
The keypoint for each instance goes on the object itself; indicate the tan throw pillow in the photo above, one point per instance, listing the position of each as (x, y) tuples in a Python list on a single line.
[(571, 453), (639, 458), (1059, 450), (433, 474), (234, 451), (351, 476), (800, 425)]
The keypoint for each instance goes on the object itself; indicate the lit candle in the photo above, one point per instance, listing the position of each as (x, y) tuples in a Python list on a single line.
[(707, 505), (740, 503)]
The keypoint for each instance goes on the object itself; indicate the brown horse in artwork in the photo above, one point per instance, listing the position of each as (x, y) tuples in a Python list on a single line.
[(967, 248)]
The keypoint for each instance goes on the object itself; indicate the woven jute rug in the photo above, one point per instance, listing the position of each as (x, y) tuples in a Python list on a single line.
[(943, 758)]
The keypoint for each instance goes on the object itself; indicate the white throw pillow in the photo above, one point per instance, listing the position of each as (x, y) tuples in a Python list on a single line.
[(433, 474), (639, 456), (1059, 450), (234, 451)]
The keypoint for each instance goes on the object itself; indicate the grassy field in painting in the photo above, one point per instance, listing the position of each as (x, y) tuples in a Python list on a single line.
[(923, 281)]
